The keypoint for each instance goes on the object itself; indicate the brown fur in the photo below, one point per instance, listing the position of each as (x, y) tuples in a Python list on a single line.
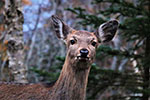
[(23, 91)]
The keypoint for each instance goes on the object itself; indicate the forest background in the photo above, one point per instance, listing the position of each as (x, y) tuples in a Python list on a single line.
[(31, 53)]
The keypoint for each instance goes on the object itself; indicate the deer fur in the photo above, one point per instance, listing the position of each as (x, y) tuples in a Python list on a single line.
[(72, 82)]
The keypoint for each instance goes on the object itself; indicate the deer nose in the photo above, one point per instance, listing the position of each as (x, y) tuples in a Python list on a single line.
[(84, 52)]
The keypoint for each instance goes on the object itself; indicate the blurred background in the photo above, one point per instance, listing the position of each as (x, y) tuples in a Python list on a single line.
[(121, 70)]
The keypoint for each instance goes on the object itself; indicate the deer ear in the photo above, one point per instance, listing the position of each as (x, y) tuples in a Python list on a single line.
[(106, 31), (61, 29)]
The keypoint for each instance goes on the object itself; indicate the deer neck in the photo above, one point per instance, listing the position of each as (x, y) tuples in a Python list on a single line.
[(72, 83)]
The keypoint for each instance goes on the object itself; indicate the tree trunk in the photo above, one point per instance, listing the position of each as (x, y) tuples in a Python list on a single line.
[(146, 76), (14, 36)]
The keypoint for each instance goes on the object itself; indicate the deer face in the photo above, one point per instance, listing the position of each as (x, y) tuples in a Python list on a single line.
[(81, 45)]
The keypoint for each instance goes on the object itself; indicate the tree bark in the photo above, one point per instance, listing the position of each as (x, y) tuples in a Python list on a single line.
[(146, 74), (14, 36)]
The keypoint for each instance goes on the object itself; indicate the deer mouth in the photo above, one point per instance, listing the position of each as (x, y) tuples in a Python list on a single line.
[(82, 58)]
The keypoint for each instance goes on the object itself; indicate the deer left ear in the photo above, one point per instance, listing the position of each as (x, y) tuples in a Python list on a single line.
[(106, 31), (61, 28)]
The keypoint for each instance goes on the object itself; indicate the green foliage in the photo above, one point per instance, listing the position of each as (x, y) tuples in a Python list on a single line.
[(114, 52), (51, 76), (102, 79), (87, 19), (54, 70)]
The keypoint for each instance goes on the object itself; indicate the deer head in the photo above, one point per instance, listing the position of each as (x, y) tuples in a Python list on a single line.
[(81, 45)]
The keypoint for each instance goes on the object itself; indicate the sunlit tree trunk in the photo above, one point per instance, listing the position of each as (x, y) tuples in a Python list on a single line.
[(14, 36)]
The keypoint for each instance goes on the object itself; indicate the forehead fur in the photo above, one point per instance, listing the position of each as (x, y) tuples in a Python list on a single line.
[(82, 33)]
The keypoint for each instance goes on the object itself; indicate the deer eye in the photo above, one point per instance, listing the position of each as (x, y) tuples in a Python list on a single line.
[(94, 43), (72, 42)]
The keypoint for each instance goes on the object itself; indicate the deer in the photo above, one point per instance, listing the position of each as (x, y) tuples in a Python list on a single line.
[(71, 85)]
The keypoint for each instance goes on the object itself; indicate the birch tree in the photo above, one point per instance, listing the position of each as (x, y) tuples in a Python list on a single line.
[(13, 34)]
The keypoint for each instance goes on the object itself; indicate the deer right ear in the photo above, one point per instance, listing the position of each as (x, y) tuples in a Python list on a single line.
[(61, 29), (106, 31)]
